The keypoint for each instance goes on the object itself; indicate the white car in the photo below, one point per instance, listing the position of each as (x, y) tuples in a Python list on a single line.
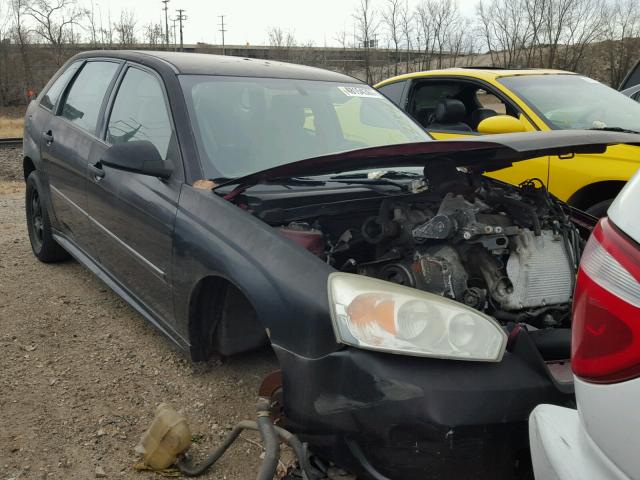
[(601, 439)]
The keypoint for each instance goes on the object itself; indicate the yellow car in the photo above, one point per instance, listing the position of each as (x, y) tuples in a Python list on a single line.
[(460, 102)]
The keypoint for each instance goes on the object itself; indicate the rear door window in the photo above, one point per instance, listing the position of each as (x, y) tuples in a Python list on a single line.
[(52, 95), (84, 99), (140, 112)]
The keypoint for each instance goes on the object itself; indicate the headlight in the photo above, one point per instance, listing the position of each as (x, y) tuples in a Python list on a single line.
[(378, 315)]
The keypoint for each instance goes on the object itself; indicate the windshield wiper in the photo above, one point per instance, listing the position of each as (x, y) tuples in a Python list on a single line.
[(369, 181), (396, 174), (285, 181), (614, 129)]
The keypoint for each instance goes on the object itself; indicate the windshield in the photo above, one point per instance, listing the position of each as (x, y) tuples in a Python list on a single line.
[(244, 125), (569, 102)]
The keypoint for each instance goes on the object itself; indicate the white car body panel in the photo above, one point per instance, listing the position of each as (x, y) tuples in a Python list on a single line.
[(624, 212), (561, 449), (600, 440), (610, 417)]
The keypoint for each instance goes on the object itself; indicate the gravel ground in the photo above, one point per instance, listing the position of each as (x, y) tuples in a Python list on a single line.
[(82, 372), (10, 163)]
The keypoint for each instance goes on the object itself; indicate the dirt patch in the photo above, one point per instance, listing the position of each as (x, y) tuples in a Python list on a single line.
[(82, 373)]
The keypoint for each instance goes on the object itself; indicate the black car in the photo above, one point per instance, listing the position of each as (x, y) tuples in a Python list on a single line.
[(418, 309)]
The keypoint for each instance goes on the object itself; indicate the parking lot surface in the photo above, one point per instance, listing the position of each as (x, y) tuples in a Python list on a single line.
[(82, 372)]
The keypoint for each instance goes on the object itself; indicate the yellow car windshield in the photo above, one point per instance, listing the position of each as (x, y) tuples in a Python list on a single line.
[(570, 102)]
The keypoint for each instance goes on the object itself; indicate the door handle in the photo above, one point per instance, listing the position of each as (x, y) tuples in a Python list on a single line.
[(97, 173), (48, 137)]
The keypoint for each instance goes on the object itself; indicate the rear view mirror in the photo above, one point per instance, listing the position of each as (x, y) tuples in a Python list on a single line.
[(139, 157), (501, 124)]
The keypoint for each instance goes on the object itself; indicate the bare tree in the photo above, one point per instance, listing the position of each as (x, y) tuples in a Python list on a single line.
[(623, 43), (446, 16), (92, 27), (22, 36), (585, 25), (406, 25), (5, 26), (393, 19), (153, 34), (505, 29), (278, 38), (106, 32), (535, 12), (366, 19), (125, 28), (342, 37), (54, 21), (555, 18)]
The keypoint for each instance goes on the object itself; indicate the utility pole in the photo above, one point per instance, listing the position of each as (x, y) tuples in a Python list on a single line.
[(222, 30), (175, 38), (166, 22), (180, 18)]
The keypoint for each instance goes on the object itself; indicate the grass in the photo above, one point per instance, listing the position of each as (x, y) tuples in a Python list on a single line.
[(11, 121)]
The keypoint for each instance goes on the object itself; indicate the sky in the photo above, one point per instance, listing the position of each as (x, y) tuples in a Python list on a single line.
[(318, 21)]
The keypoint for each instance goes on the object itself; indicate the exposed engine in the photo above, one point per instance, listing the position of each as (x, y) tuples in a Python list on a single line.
[(510, 252)]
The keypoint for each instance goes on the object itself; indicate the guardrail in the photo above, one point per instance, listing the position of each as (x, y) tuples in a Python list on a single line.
[(11, 141)]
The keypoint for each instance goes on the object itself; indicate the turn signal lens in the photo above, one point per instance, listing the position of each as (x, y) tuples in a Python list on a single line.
[(606, 308), (378, 315)]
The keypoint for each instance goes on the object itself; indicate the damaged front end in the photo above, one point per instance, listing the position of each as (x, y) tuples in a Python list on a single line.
[(507, 253), (459, 325)]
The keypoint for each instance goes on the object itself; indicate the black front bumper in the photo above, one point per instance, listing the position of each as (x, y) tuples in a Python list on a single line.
[(419, 418)]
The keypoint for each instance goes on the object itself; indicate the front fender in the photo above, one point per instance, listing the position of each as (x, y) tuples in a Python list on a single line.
[(286, 284)]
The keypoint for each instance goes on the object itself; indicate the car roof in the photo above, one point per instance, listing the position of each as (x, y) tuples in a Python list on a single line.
[(481, 73), (206, 64)]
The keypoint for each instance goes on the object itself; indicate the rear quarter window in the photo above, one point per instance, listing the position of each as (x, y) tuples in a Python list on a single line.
[(50, 98)]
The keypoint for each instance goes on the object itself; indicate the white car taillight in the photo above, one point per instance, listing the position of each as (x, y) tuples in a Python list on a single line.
[(606, 308)]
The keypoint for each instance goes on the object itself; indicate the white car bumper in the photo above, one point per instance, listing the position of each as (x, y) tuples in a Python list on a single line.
[(562, 450)]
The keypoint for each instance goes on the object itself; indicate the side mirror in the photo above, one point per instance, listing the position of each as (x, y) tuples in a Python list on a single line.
[(138, 157), (501, 124)]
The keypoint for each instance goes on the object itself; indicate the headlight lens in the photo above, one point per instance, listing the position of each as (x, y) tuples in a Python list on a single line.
[(378, 315)]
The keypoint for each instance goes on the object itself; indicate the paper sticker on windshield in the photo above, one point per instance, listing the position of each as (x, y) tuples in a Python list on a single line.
[(360, 92)]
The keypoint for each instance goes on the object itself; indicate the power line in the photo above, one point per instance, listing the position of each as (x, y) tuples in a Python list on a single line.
[(222, 30), (166, 22), (181, 17)]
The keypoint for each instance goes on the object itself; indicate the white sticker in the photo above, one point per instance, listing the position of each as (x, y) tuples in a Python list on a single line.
[(357, 91)]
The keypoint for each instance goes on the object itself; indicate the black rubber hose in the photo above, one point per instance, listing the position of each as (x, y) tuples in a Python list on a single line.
[(284, 435), (213, 457), (297, 447), (270, 441)]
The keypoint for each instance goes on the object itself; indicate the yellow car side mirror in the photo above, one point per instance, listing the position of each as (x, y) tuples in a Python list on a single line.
[(501, 124)]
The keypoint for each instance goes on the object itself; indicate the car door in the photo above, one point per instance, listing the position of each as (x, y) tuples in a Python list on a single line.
[(133, 215), (475, 101), (68, 140)]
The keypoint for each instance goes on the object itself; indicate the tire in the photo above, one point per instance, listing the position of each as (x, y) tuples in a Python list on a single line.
[(43, 245), (599, 209)]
